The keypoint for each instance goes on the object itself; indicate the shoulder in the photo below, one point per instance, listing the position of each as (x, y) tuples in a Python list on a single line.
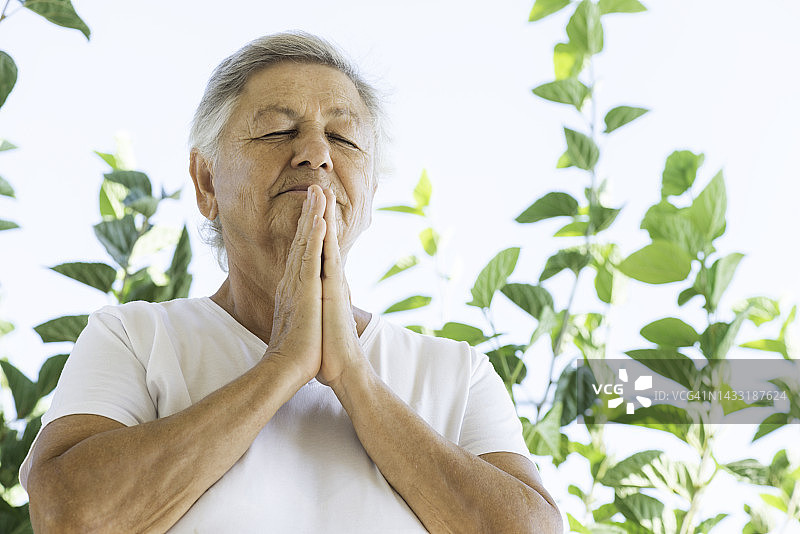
[(422, 349), (140, 312)]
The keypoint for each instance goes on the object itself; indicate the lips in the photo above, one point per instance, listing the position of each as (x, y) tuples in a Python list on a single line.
[(296, 189)]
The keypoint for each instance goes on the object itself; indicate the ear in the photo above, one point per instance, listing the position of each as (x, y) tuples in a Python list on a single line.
[(203, 179)]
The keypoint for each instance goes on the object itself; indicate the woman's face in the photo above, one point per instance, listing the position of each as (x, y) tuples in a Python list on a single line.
[(294, 125)]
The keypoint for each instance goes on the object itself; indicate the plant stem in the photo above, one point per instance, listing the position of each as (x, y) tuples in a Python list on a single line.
[(557, 346), (694, 505), (3, 13)]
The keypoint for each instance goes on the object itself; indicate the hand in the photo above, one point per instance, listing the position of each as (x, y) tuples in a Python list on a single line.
[(341, 350), (297, 322)]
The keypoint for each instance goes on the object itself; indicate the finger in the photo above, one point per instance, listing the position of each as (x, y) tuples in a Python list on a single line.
[(313, 205), (299, 243), (311, 267), (332, 258)]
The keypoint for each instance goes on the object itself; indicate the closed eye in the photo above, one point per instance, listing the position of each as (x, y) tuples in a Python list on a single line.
[(344, 140), (279, 133)]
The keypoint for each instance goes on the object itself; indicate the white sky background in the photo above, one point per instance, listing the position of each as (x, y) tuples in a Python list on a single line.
[(719, 76)]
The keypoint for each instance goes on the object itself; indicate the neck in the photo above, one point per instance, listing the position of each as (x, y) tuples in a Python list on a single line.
[(248, 295)]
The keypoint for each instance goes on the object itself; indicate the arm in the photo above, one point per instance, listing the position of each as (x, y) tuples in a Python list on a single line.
[(448, 488), (90, 473)]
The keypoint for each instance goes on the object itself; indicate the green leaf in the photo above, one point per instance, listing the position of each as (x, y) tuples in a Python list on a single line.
[(5, 188), (154, 240), (705, 526), (543, 8), (622, 115), (508, 364), (66, 328), (404, 209), (7, 225), (670, 332), (708, 209), (430, 241), (567, 61), (567, 91), (619, 474), (574, 391), (5, 328), (573, 259), (422, 192), (584, 28), (411, 303), (110, 200), (750, 471), (140, 286), (5, 144), (532, 299), (665, 222), (23, 390), (406, 262), (59, 12), (564, 161), (544, 437), (132, 180), (604, 284), (573, 229), (721, 275), (8, 76), (97, 275), (548, 320), (602, 217), (639, 508), (493, 277), (574, 524), (141, 203), (664, 417), (770, 424), (718, 338), (760, 309), (769, 345), (50, 373), (555, 204), (582, 151), (774, 501), (680, 172), (669, 363), (461, 332), (660, 262), (118, 237), (111, 159), (621, 6), (686, 295), (181, 257), (178, 272)]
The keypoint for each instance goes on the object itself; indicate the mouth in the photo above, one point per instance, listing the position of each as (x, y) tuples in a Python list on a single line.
[(303, 190)]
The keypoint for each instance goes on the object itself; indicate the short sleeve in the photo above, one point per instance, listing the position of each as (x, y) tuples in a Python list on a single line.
[(103, 376), (490, 420)]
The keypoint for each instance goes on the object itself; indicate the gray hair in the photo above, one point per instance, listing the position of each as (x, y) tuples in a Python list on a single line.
[(229, 79)]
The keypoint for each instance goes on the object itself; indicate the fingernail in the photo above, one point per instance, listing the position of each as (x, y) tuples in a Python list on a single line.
[(313, 198)]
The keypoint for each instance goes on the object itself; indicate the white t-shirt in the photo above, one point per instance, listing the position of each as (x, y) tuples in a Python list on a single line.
[(306, 471)]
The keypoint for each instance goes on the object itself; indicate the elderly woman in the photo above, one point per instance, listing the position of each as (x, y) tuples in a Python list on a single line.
[(275, 405)]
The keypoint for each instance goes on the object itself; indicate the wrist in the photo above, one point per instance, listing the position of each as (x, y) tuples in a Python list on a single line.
[(288, 369), (356, 381)]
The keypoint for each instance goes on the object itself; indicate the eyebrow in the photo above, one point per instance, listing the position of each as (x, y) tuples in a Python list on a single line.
[(294, 115)]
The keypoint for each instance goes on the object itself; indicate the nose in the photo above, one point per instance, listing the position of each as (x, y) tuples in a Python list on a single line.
[(313, 151)]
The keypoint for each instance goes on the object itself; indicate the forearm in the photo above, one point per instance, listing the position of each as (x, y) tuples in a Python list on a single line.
[(145, 477), (448, 488)]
